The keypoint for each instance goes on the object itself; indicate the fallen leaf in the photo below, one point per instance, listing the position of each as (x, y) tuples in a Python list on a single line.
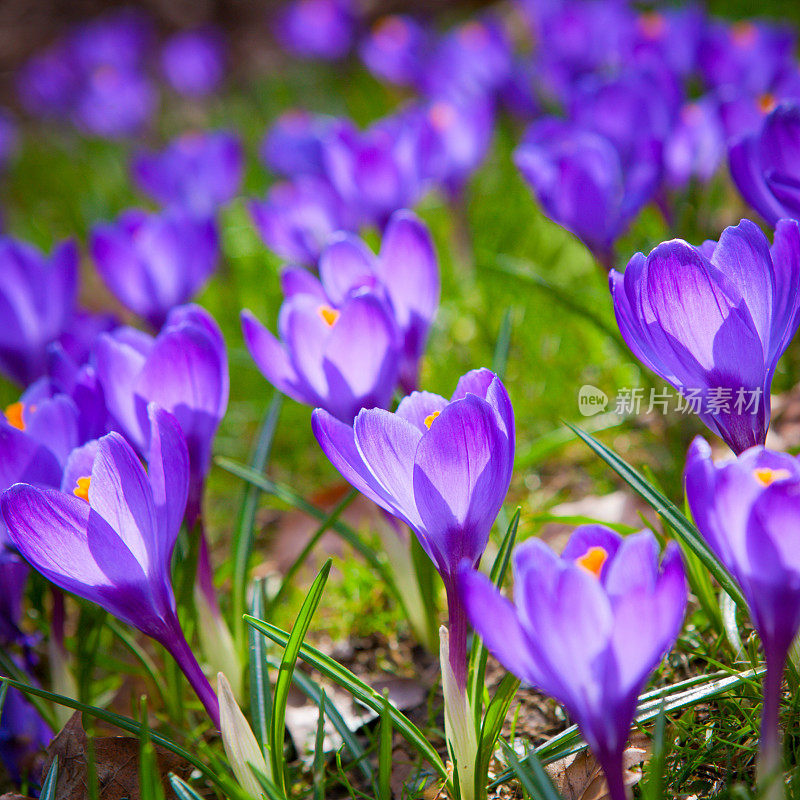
[(580, 777), (116, 761)]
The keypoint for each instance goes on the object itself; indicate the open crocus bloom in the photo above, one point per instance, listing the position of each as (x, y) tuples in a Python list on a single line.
[(108, 535), (586, 627), (714, 320)]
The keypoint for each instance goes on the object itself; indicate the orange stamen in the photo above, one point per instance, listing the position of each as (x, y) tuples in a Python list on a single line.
[(766, 476), (14, 414), (593, 559), (329, 315), (430, 418), (82, 488), (767, 102)]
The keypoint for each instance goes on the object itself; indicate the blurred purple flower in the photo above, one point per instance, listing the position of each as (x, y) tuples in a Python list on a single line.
[(670, 37), (183, 370), (108, 536), (587, 628), (578, 177), (442, 467), (297, 219), (748, 510), (316, 28), (37, 302), (198, 171), (24, 736), (193, 61), (714, 320), (48, 82), (696, 146), (339, 351), (120, 38), (153, 262), (766, 165), (395, 50)]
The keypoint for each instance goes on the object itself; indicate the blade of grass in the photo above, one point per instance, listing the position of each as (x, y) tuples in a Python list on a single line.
[(385, 750), (669, 512), (284, 680), (490, 730), (500, 358), (50, 782), (244, 535), (531, 774), (319, 751), (260, 689), (182, 789), (361, 691)]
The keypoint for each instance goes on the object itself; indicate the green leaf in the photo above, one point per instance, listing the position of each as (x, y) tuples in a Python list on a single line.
[(244, 534), (51, 781), (385, 750), (531, 774), (118, 721), (260, 689), (182, 789), (319, 751), (490, 730), (284, 680), (479, 654), (361, 691), (668, 511)]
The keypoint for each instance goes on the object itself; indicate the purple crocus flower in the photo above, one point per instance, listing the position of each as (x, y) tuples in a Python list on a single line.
[(578, 177), (153, 262), (395, 50), (587, 627), (406, 272), (669, 36), (193, 62), (31, 318), (748, 510), (696, 145), (293, 146), (198, 171), (442, 467), (316, 28), (120, 38), (765, 165), (296, 219), (340, 350), (111, 545), (48, 82), (714, 320), (184, 370)]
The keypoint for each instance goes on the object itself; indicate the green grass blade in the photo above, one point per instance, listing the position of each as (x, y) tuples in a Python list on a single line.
[(490, 730), (314, 692), (288, 578), (532, 775), (669, 512), (361, 691), (260, 688), (50, 782), (244, 534), (385, 750), (479, 654), (284, 680), (118, 721), (319, 751), (500, 358), (182, 789), (3, 695)]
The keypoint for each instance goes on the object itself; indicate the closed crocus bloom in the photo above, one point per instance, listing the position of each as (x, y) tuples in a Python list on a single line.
[(395, 49), (748, 510), (30, 316), (578, 177), (442, 467), (153, 262), (714, 320), (765, 165), (587, 627), (108, 536), (316, 28), (297, 219), (339, 351), (199, 171), (696, 145), (193, 62), (406, 271), (184, 370)]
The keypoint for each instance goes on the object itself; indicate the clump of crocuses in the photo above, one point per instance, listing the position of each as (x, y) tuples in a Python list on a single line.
[(587, 627), (713, 321)]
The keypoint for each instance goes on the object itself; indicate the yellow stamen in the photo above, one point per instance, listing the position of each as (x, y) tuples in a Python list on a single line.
[(329, 315), (442, 115), (744, 33), (767, 102), (82, 488), (430, 418), (393, 26), (593, 559), (766, 476), (652, 24), (14, 415)]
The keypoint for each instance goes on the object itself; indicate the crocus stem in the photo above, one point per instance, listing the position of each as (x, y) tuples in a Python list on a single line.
[(205, 572), (458, 628), (769, 759), (612, 769), (179, 649)]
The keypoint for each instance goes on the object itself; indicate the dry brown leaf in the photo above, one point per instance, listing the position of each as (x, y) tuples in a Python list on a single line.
[(116, 763), (579, 776)]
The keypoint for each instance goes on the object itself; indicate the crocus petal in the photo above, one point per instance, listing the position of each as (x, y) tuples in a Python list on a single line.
[(748, 176), (346, 264), (785, 254), (296, 280), (418, 407)]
